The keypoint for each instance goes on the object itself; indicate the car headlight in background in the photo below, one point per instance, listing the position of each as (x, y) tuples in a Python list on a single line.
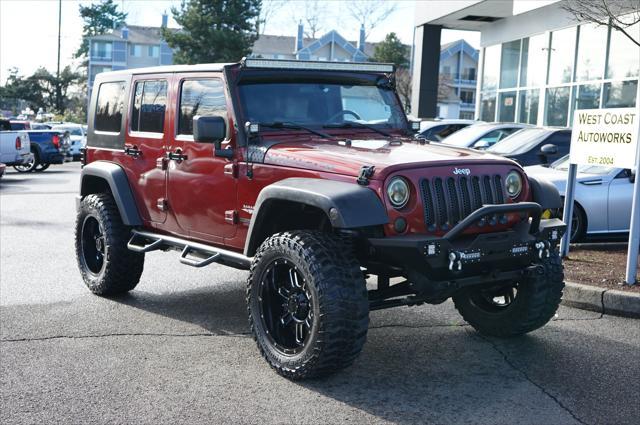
[(513, 184), (398, 192)]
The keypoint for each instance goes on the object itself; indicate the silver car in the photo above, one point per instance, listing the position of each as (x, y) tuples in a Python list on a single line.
[(602, 198), (482, 135)]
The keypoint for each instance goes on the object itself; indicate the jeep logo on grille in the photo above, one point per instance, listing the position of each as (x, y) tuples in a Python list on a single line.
[(464, 171)]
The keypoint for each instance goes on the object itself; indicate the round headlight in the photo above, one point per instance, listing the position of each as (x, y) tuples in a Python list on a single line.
[(513, 184), (398, 192)]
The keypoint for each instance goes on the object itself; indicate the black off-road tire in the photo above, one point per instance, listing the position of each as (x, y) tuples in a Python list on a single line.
[(340, 309), (121, 268), (536, 301)]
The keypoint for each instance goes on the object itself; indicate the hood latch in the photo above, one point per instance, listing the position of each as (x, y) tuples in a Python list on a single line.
[(366, 172)]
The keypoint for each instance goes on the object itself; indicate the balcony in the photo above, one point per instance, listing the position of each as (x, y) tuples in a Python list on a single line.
[(101, 57), (464, 79)]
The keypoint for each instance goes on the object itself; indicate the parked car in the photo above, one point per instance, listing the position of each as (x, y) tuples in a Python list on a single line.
[(28, 125), (15, 147), (47, 146), (603, 196), (2, 168), (77, 138), (437, 130), (535, 146), (482, 135), (322, 185)]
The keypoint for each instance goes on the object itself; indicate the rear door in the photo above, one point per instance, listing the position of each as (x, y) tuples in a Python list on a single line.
[(201, 186)]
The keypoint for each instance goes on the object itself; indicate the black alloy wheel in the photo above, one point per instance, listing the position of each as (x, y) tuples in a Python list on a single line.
[(286, 307), (93, 245)]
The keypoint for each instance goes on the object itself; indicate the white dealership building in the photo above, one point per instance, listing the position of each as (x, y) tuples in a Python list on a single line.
[(537, 62)]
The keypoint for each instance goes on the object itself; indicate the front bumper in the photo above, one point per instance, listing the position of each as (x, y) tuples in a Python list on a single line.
[(457, 255)]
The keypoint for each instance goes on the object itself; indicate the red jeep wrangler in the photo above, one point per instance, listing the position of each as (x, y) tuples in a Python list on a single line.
[(307, 174)]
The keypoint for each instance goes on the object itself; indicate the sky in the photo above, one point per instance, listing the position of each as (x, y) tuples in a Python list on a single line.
[(29, 28)]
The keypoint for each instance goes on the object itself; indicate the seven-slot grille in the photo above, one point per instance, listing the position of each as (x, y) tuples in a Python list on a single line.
[(450, 199)]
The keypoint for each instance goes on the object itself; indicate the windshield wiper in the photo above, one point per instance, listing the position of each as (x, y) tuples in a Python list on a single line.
[(355, 124), (294, 126)]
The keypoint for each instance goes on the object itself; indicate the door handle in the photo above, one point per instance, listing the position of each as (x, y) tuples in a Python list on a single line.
[(132, 151), (177, 155)]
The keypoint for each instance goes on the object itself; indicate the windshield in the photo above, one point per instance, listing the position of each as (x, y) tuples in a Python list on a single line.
[(563, 165), (519, 142), (320, 104), (466, 136), (74, 131)]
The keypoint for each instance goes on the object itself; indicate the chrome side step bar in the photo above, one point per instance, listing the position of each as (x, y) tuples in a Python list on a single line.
[(193, 253)]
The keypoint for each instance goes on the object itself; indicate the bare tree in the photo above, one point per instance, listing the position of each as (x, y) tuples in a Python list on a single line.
[(268, 10), (370, 13), (621, 15), (403, 87), (312, 16)]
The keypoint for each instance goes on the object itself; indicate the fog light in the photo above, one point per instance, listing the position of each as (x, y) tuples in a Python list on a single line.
[(400, 225)]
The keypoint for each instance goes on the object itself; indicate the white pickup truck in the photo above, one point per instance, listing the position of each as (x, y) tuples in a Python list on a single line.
[(15, 147)]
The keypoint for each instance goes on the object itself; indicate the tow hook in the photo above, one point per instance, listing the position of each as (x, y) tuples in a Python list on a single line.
[(455, 261), (543, 249)]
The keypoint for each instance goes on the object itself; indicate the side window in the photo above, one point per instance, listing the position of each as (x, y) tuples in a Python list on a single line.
[(109, 107), (200, 97), (491, 137), (560, 138), (149, 106)]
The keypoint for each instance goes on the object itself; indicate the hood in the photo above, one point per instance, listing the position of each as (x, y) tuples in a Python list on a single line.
[(386, 156), (559, 177)]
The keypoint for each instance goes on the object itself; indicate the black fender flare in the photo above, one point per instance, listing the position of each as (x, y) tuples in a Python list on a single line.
[(116, 179), (545, 193), (347, 205)]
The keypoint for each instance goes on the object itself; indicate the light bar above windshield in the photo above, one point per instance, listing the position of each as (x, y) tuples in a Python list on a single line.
[(317, 65)]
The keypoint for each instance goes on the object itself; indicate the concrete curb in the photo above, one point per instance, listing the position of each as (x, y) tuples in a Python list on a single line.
[(605, 301)]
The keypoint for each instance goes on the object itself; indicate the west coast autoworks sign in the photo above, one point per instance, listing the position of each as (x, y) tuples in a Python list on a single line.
[(607, 137)]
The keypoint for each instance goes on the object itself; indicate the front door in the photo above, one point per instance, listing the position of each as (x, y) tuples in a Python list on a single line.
[(619, 205), (201, 195)]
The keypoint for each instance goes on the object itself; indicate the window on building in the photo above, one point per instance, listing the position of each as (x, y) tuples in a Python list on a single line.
[(135, 50), (557, 106), (149, 105), (507, 107), (624, 55), (446, 70), (592, 45), (528, 104), (469, 74), (154, 51), (109, 107), (200, 97), (466, 96), (488, 107), (620, 94), (563, 46), (102, 50), (509, 62), (491, 67), (587, 96), (466, 115), (533, 69)]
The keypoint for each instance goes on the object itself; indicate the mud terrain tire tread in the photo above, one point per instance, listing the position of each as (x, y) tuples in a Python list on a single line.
[(341, 295), (536, 303), (123, 267)]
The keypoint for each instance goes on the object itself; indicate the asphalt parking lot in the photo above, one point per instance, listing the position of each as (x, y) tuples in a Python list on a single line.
[(177, 349)]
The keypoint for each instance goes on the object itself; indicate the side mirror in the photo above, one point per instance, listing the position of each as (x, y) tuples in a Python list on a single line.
[(211, 130), (481, 144), (549, 149)]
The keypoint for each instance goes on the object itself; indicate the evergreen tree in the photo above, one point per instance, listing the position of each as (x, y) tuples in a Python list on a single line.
[(98, 18), (213, 30), (391, 50)]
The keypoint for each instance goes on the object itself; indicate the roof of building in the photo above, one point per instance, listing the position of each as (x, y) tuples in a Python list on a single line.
[(137, 34), (450, 49), (286, 45)]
